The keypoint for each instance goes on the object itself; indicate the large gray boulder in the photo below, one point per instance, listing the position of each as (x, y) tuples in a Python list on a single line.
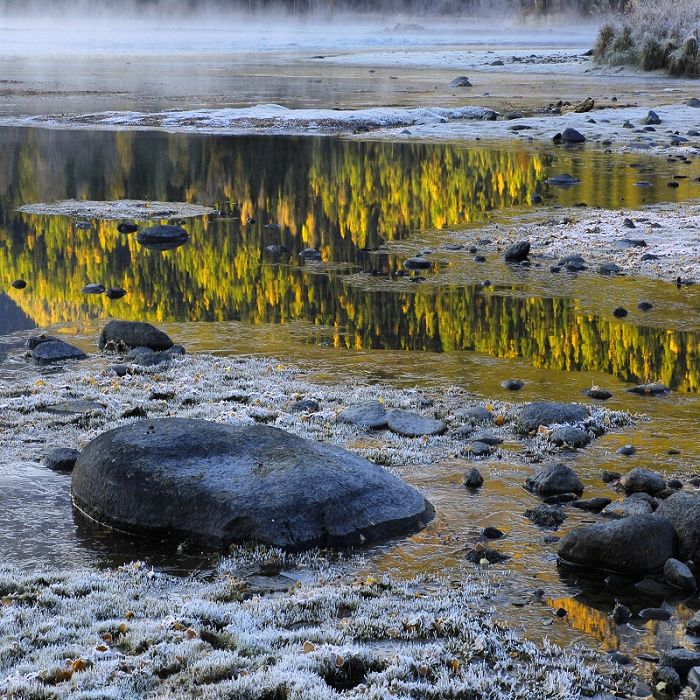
[(222, 484), (642, 480), (682, 510), (538, 413), (134, 334), (633, 546), (553, 480), (51, 351)]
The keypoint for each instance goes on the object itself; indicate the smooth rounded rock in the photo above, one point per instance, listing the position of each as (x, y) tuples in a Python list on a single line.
[(547, 413), (162, 237), (94, 288), (310, 255), (645, 480), (56, 351), (62, 459), (512, 384), (627, 508), (368, 414), (681, 660), (473, 479), (478, 449), (220, 484), (127, 227), (417, 263), (678, 575), (554, 479), (595, 392), (592, 505), (635, 545), (572, 136), (413, 424), (18, 284), (570, 436), (651, 389), (608, 268), (626, 450), (683, 512), (133, 334)]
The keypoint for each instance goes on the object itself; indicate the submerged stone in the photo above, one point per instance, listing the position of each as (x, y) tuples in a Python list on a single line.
[(223, 484)]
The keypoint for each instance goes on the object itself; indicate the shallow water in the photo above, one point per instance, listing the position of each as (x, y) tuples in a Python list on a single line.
[(366, 207)]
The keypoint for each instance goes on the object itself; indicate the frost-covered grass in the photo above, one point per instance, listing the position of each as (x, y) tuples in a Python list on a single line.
[(133, 633), (248, 390), (654, 35)]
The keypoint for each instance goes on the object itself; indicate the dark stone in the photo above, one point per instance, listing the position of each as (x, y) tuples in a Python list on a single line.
[(145, 357), (626, 450), (621, 614), (536, 199), (62, 459), (562, 180), (649, 256), (476, 414), (473, 479), (370, 414), (546, 516), (413, 425), (681, 660), (276, 249), (608, 268), (222, 484), (672, 184), (306, 406), (461, 81), (126, 227), (572, 136), (512, 384), (133, 334), (693, 626), (136, 412), (554, 479), (653, 589), (628, 223), (18, 284), (310, 254), (417, 263), (575, 260), (678, 575), (93, 289), (627, 243), (570, 436), (645, 480), (592, 505), (619, 312), (672, 685), (644, 306), (598, 393), (478, 449), (162, 237), (479, 553), (693, 102), (627, 508), (115, 293), (546, 413), (651, 389), (74, 407), (120, 370), (651, 118), (487, 438), (683, 512), (634, 545), (492, 533), (675, 484), (560, 498), (479, 258), (517, 252), (608, 477), (56, 351)]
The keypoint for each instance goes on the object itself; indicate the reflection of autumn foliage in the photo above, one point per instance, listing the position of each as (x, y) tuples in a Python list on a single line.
[(337, 198)]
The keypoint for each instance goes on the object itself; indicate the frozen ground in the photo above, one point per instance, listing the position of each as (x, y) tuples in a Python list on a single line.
[(120, 209)]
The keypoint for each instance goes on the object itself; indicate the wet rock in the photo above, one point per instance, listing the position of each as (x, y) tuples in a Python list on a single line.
[(627, 508), (62, 459), (536, 199), (564, 180), (56, 351), (476, 415), (644, 306), (572, 136), (675, 484), (651, 588), (554, 479), (595, 392), (626, 450), (681, 660), (145, 357), (652, 118), (651, 389), (473, 479), (481, 555), (608, 477), (546, 516), (461, 81), (645, 480), (683, 512), (547, 413), (517, 252), (619, 312), (417, 263), (630, 546), (592, 505), (560, 498), (369, 414), (478, 449), (310, 255), (621, 614), (162, 237), (678, 575), (93, 289), (670, 679), (608, 268), (133, 334), (492, 533), (18, 284), (262, 485), (413, 425), (115, 293), (127, 227), (487, 438), (512, 384), (306, 406), (570, 436), (693, 627)]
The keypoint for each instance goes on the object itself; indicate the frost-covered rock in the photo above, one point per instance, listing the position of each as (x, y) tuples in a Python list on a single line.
[(222, 484)]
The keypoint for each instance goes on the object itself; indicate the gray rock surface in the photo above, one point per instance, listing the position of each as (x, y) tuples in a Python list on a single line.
[(134, 334), (517, 252), (554, 479), (222, 484), (546, 516), (681, 660), (644, 480), (627, 508), (679, 575), (56, 351), (546, 413), (569, 435), (162, 237), (61, 459), (473, 479), (651, 389), (635, 545), (369, 414), (413, 424), (682, 510)]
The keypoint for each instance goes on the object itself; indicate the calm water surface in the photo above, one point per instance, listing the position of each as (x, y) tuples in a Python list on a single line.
[(366, 207)]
